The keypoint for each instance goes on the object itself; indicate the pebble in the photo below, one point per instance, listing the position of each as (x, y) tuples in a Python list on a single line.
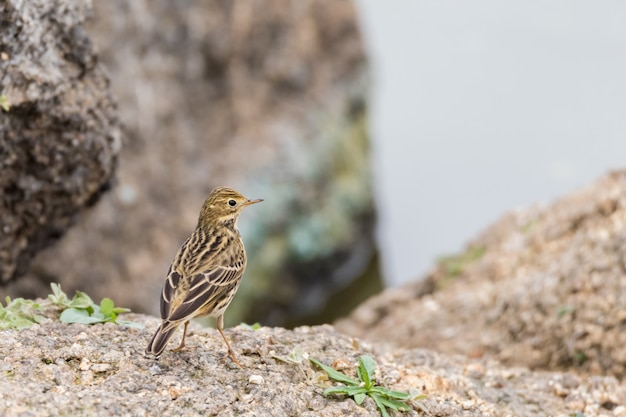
[(256, 379), (100, 367), (81, 336), (155, 370), (174, 393), (474, 370), (84, 364)]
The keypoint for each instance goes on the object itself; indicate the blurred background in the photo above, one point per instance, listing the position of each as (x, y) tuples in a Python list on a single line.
[(481, 107), (382, 135)]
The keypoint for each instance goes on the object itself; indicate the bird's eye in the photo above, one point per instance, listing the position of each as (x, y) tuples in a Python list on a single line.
[(232, 203)]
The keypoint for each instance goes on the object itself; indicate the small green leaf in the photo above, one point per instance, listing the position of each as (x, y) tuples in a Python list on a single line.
[(255, 326), (4, 103), (56, 289), (120, 310), (379, 404), (355, 390), (129, 324), (359, 398), (336, 375), (296, 355), (75, 315), (362, 374), (18, 322), (400, 395), (393, 404), (366, 370), (38, 318), (345, 390), (82, 300), (106, 308), (336, 390), (58, 297)]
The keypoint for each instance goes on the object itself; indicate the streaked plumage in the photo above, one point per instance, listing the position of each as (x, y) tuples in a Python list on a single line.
[(206, 270)]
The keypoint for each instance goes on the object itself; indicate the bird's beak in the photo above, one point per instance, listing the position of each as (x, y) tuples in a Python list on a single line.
[(251, 202)]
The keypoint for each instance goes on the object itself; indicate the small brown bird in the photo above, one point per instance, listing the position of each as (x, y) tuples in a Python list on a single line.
[(206, 270)]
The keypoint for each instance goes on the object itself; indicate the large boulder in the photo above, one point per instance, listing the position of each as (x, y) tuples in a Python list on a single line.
[(544, 287), (59, 135), (267, 97)]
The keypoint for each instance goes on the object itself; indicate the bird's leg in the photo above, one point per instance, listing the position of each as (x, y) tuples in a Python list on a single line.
[(182, 342), (220, 327)]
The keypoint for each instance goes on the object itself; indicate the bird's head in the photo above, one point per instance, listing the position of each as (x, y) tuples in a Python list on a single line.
[(223, 206)]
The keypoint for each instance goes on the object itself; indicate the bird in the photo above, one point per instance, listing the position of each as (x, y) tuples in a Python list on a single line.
[(206, 271)]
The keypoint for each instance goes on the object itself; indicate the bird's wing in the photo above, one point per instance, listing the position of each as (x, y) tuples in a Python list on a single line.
[(169, 290), (206, 291), (191, 252)]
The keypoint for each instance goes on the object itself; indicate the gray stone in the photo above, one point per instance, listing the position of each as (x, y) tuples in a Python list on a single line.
[(59, 138)]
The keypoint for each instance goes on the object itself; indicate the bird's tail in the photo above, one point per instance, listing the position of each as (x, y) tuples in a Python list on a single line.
[(160, 339)]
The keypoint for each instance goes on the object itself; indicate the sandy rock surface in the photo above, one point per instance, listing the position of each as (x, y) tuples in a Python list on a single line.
[(78, 370), (544, 287)]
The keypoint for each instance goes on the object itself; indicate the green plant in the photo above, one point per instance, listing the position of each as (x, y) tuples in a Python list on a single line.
[(454, 265), (579, 357), (358, 390), (564, 310), (296, 355), (4, 103), (254, 326), (20, 313), (87, 312), (82, 309)]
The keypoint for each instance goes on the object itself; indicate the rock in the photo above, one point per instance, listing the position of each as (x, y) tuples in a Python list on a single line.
[(59, 137), (266, 97), (544, 287), (256, 380), (46, 374)]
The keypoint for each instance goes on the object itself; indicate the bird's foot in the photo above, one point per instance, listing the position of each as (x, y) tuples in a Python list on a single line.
[(182, 348), (234, 358)]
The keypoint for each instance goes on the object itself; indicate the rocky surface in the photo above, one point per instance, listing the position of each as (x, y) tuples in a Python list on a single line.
[(544, 287), (59, 134), (267, 97), (78, 370)]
